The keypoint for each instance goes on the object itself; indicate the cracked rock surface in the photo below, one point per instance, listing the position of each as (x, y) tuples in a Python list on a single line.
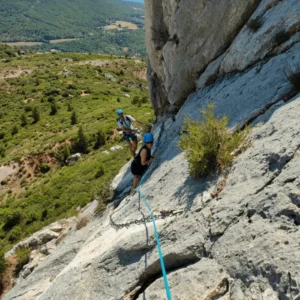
[(240, 245)]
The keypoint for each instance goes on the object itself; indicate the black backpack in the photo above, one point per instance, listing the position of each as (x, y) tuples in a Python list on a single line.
[(122, 123)]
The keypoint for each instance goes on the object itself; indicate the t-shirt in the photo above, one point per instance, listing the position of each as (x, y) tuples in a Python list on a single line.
[(126, 123)]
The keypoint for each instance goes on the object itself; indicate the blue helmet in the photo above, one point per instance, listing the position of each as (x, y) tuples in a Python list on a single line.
[(120, 111), (148, 138)]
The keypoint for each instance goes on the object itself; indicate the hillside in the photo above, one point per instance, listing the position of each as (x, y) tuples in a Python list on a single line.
[(46, 99), (53, 22)]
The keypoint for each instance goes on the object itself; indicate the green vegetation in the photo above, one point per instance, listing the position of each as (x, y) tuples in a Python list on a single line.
[(209, 144), (2, 271), (106, 42), (23, 255), (20, 20), (43, 21), (44, 188)]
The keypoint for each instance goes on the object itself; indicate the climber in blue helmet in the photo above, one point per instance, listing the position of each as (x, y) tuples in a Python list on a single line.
[(142, 160), (125, 124)]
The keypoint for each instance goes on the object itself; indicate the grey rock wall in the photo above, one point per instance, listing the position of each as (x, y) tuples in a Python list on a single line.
[(182, 37)]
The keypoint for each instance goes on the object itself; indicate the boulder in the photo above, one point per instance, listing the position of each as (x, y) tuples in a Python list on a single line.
[(116, 148), (110, 77), (73, 158)]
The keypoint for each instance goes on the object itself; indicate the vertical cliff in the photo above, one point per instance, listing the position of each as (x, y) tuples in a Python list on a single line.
[(183, 37)]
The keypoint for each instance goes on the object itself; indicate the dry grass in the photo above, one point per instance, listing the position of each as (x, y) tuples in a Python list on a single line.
[(62, 40), (119, 25), (255, 24), (82, 222), (272, 4), (20, 44), (281, 37), (211, 79), (294, 79)]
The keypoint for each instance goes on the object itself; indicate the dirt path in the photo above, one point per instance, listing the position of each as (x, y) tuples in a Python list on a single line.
[(14, 73), (5, 171)]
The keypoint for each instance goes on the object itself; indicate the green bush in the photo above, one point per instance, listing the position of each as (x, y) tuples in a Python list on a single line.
[(23, 182), (2, 265), (135, 100), (2, 150), (44, 168), (53, 92), (63, 153), (69, 106), (74, 118), (144, 100), (11, 220), (44, 214), (106, 194), (35, 115), (100, 139), (81, 142), (100, 171), (24, 120), (15, 130), (209, 145), (23, 256), (15, 234), (31, 218), (53, 108)]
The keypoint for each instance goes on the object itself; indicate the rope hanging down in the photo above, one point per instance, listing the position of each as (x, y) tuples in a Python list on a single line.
[(161, 259)]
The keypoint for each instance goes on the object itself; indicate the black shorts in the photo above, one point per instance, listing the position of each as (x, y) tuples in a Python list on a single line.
[(130, 137), (137, 169)]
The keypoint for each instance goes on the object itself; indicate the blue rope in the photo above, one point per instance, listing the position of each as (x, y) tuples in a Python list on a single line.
[(161, 259)]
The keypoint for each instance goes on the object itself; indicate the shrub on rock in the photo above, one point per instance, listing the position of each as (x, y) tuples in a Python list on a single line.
[(209, 145)]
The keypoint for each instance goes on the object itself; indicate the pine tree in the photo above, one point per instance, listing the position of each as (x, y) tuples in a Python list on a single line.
[(74, 118), (100, 139), (69, 106), (54, 108), (35, 115), (24, 120), (82, 143), (15, 130)]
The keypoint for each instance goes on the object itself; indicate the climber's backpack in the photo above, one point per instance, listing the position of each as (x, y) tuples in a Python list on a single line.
[(122, 123)]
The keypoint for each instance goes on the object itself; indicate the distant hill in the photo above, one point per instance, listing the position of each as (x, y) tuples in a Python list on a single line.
[(46, 20)]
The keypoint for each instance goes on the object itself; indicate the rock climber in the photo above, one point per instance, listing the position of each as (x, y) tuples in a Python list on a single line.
[(142, 160), (125, 123)]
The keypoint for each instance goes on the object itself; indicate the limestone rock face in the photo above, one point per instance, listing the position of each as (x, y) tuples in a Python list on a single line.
[(278, 30), (182, 37), (240, 245)]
